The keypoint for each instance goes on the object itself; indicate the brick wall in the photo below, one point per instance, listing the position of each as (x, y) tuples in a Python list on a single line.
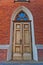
[(40, 54), (3, 54)]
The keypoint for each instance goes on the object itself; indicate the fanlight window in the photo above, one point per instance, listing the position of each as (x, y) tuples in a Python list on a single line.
[(21, 16)]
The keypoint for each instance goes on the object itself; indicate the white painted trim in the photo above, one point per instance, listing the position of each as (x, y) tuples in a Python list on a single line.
[(9, 53), (4, 46), (27, 11), (39, 46)]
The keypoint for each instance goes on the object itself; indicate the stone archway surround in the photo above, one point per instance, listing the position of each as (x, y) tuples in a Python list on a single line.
[(27, 11)]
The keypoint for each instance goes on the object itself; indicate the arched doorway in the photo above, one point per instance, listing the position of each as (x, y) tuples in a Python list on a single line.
[(30, 17), (22, 43)]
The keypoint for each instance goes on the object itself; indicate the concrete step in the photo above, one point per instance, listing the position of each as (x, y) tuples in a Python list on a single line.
[(21, 63)]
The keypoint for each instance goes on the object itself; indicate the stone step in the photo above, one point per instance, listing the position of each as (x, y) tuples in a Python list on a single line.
[(21, 63)]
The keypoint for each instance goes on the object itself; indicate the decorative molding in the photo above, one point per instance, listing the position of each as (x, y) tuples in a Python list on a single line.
[(39, 46)]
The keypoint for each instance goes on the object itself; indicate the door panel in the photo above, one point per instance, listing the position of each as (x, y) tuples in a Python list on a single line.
[(26, 36), (22, 42), (27, 42), (17, 45), (18, 37)]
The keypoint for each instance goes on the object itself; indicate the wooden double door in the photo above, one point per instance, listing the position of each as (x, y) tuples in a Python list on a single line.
[(22, 47)]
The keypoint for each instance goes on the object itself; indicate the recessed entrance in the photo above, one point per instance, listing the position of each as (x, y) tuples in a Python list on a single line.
[(22, 49)]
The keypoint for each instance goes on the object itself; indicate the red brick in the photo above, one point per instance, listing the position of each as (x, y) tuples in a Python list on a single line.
[(40, 54), (3, 54)]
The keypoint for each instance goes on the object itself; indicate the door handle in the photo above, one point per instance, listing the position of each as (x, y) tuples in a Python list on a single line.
[(20, 41)]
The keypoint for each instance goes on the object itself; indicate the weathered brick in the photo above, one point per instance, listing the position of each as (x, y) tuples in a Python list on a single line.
[(3, 54), (40, 54)]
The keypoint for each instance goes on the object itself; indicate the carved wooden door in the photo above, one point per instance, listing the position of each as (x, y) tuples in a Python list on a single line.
[(22, 49)]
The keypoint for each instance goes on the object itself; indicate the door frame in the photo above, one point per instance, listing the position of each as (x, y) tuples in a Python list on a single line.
[(21, 22), (34, 48)]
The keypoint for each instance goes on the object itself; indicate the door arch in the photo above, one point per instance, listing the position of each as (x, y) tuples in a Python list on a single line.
[(27, 11)]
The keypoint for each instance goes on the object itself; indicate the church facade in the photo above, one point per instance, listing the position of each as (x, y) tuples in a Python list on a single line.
[(21, 30)]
